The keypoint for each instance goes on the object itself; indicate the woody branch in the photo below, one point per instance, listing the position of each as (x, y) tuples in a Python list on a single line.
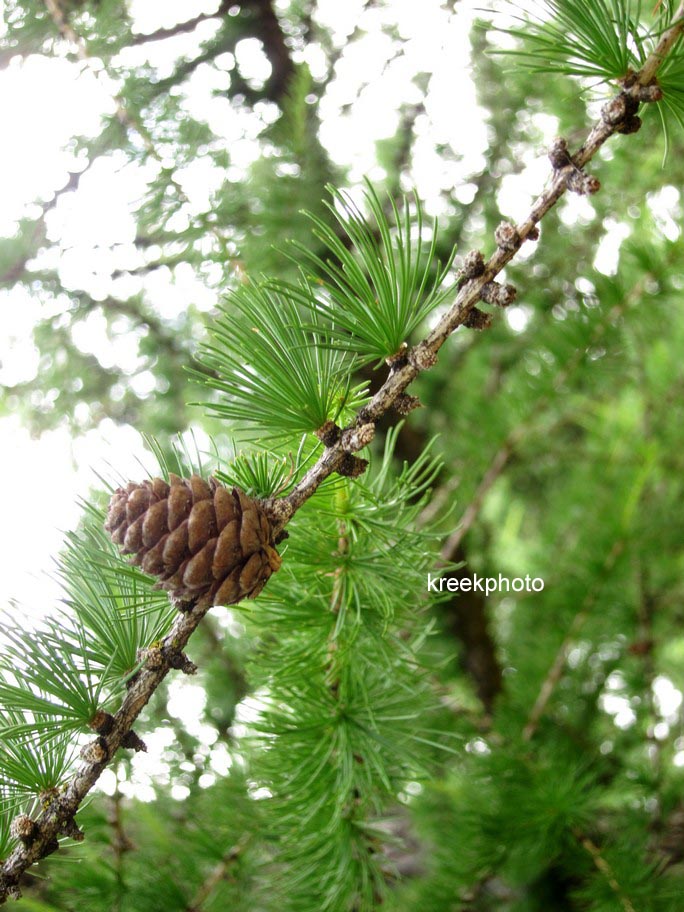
[(618, 115)]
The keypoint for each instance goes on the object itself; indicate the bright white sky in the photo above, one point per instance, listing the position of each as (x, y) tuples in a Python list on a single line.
[(66, 99)]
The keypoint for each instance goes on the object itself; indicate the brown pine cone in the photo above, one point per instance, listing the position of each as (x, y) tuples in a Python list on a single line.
[(205, 542)]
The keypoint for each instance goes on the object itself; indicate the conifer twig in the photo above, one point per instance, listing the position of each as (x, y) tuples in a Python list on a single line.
[(121, 844), (472, 511), (616, 116), (220, 872), (60, 812), (602, 865), (555, 672), (59, 815)]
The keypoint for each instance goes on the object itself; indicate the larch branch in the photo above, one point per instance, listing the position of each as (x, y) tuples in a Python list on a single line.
[(555, 672), (404, 370), (161, 659), (606, 870)]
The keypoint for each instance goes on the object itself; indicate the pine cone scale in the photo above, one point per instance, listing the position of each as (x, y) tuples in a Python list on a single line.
[(134, 539), (228, 552), (180, 501), (173, 581), (204, 542), (117, 510), (175, 548), (198, 572), (228, 591), (137, 503), (201, 525), (250, 533), (200, 489), (252, 571), (155, 523), (224, 508), (153, 561)]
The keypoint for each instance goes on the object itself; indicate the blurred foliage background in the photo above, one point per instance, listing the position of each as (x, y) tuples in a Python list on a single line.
[(561, 431)]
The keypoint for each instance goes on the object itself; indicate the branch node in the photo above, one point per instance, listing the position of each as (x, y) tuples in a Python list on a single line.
[(71, 829), (133, 741), (583, 184), (619, 109), (507, 237), (47, 796), (404, 403), (352, 466), (328, 433), (473, 266), (96, 751), (24, 829), (628, 80), (102, 722), (154, 657), (398, 358), (181, 662), (649, 93), (478, 319), (631, 125), (498, 294), (559, 156)]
